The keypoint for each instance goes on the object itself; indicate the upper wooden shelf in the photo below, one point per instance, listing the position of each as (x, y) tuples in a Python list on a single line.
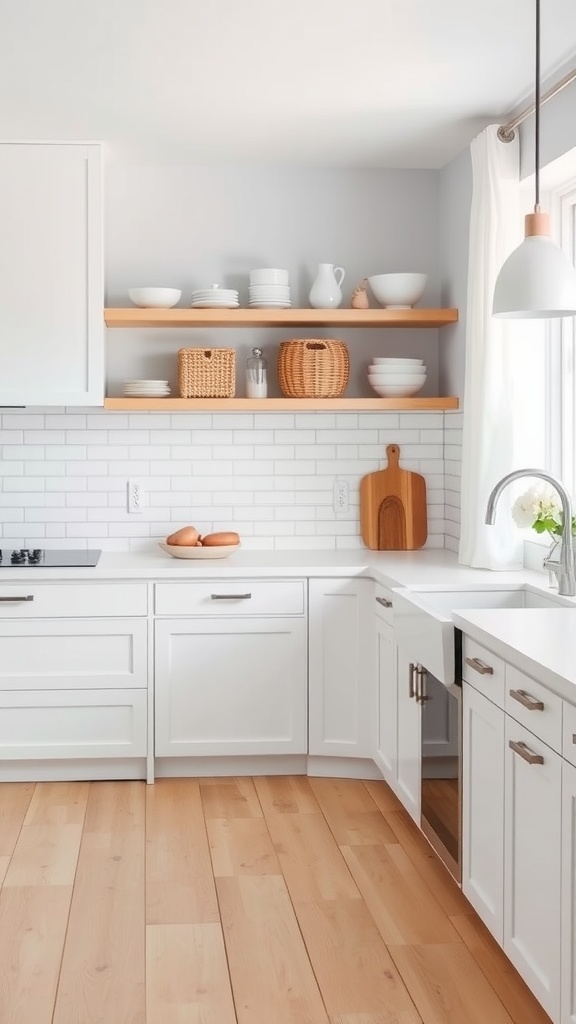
[(136, 317)]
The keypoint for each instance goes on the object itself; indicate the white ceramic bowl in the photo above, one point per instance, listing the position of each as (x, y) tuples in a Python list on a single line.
[(269, 275), (393, 361), (397, 390), (399, 379), (397, 371), (155, 298), (398, 291)]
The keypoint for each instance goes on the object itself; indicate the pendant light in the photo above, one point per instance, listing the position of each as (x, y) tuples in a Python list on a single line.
[(537, 279)]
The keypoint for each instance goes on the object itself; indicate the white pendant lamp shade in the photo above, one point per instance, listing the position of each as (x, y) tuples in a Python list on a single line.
[(537, 280)]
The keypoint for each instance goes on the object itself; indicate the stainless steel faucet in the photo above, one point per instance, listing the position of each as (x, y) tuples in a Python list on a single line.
[(563, 569)]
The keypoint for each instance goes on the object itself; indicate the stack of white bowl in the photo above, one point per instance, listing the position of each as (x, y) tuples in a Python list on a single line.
[(215, 298), (396, 378), (269, 289)]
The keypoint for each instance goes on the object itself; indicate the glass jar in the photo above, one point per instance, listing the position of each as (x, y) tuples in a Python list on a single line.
[(256, 383)]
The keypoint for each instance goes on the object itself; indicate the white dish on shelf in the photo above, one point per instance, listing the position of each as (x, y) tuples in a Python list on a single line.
[(212, 304), (154, 298), (180, 551), (391, 361), (276, 304), (397, 390)]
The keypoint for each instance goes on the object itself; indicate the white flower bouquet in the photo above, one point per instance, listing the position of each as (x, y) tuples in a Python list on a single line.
[(541, 510)]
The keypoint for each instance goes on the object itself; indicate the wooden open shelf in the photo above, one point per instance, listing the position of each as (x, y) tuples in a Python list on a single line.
[(136, 317), (281, 404)]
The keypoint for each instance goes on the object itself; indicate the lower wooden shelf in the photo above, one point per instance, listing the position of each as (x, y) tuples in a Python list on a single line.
[(280, 404)]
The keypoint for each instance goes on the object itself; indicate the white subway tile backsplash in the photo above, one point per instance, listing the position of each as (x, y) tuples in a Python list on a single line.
[(63, 474)]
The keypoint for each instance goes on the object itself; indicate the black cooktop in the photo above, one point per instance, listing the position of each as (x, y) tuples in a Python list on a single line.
[(14, 558)]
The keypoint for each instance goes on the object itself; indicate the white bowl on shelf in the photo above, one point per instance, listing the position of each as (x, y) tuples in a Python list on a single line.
[(398, 291), (390, 361), (155, 298), (394, 375), (398, 380), (397, 390)]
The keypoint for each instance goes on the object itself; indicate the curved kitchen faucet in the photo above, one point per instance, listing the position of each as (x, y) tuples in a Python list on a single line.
[(563, 569)]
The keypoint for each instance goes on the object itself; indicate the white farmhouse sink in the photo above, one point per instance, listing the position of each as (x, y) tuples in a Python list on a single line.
[(423, 622)]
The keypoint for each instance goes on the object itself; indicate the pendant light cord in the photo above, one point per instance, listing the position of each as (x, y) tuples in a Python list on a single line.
[(537, 113)]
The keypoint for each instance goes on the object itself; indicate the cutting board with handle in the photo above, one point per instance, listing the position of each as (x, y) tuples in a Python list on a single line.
[(393, 507)]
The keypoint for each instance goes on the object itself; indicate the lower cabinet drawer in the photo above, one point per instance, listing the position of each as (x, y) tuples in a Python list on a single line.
[(71, 600), (61, 724), (231, 597), (73, 654), (484, 671)]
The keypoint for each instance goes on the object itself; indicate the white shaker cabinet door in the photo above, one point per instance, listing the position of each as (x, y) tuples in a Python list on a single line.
[(51, 295), (231, 686), (568, 1015), (409, 721), (532, 862), (483, 808), (342, 668)]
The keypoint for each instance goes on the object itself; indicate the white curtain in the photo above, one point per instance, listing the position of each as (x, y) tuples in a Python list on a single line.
[(491, 399)]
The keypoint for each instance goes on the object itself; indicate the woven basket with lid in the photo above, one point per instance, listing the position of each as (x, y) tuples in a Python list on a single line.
[(313, 368), (207, 372)]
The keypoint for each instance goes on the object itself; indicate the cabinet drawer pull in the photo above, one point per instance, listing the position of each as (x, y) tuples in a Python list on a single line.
[(421, 677), (230, 597), (28, 597), (411, 690), (574, 737), (384, 602), (525, 753), (480, 666), (526, 700)]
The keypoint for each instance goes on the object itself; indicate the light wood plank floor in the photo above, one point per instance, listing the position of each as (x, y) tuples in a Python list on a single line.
[(278, 900)]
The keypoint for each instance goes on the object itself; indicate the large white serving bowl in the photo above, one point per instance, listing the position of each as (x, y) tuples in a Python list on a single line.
[(396, 361), (155, 298), (398, 291), (399, 379), (392, 375), (397, 390)]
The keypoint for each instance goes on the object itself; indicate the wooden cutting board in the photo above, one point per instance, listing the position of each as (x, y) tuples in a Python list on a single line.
[(393, 507)]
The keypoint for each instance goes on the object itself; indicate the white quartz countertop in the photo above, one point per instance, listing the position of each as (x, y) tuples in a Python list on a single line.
[(391, 568), (538, 641)]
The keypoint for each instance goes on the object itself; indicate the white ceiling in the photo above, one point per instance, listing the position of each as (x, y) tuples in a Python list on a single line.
[(372, 83)]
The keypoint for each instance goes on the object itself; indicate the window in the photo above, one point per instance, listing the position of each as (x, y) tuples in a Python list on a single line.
[(561, 370)]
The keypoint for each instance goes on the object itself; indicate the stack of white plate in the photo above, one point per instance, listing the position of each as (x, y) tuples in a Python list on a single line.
[(269, 289), (396, 377), (146, 388), (215, 298)]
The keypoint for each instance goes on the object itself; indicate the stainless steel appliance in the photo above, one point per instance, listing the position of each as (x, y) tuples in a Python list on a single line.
[(13, 558), (441, 767)]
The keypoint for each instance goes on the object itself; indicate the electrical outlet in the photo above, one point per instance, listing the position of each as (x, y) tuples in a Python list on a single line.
[(340, 496), (134, 496)]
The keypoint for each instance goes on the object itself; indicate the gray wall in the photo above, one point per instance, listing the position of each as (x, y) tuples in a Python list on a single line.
[(190, 226), (455, 202)]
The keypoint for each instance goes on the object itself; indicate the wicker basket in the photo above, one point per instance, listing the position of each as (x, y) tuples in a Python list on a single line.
[(313, 368), (207, 372)]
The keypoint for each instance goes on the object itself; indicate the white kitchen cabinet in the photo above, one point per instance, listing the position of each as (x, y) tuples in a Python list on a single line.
[(73, 682), (483, 808), (409, 738), (387, 745), (568, 967), (230, 685), (532, 862), (342, 697), (51, 322)]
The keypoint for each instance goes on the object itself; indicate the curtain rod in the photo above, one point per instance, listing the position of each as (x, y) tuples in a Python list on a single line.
[(506, 131)]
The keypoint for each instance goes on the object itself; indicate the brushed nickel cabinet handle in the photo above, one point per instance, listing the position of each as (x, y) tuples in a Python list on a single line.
[(421, 676), (574, 737), (384, 602), (230, 597), (480, 666), (525, 753), (526, 700), (28, 597), (411, 690)]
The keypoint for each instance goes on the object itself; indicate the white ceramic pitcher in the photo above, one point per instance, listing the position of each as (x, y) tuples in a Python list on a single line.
[(325, 292)]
